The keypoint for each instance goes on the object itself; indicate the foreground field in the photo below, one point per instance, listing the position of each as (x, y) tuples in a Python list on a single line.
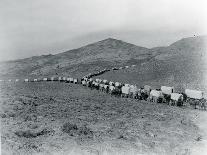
[(61, 118)]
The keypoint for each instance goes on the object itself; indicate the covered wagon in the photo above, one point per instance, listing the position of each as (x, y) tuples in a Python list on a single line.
[(125, 91), (45, 79), (176, 99), (196, 98), (75, 81), (167, 90), (26, 80), (156, 96)]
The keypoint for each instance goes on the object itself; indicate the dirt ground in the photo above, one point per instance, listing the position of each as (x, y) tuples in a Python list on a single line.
[(62, 118)]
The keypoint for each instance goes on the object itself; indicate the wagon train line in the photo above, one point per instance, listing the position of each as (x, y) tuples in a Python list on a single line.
[(165, 94)]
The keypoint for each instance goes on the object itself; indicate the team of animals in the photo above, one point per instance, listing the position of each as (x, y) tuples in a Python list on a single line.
[(163, 95)]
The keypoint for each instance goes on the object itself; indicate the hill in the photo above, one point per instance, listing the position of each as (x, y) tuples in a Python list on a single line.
[(181, 64), (105, 53)]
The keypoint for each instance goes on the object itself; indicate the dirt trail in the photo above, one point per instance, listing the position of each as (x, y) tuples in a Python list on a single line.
[(201, 147)]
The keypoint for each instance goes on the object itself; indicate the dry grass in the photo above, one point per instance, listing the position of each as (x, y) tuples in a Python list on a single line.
[(73, 119)]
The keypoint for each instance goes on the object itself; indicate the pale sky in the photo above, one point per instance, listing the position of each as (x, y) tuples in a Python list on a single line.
[(36, 27)]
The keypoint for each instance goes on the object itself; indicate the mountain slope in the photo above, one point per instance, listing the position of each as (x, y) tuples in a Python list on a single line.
[(104, 53), (182, 64)]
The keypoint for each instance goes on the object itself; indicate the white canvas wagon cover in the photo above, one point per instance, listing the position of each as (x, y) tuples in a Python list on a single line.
[(167, 90), (71, 79), (156, 93), (111, 83), (96, 83), (104, 81), (176, 96), (125, 89), (98, 80), (101, 85), (105, 86), (117, 84), (195, 94), (26, 80), (133, 89), (83, 82), (111, 87)]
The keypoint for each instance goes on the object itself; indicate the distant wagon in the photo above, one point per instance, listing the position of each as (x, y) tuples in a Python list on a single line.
[(64, 78), (156, 96), (52, 78), (55, 78), (71, 80), (60, 78), (195, 97), (105, 81), (147, 89), (125, 91), (101, 87), (176, 99), (75, 81), (111, 88), (167, 90), (194, 94), (111, 83), (45, 79), (26, 80), (133, 91), (106, 88), (117, 84), (83, 83), (85, 79), (67, 79), (17, 80), (96, 85), (98, 80)]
